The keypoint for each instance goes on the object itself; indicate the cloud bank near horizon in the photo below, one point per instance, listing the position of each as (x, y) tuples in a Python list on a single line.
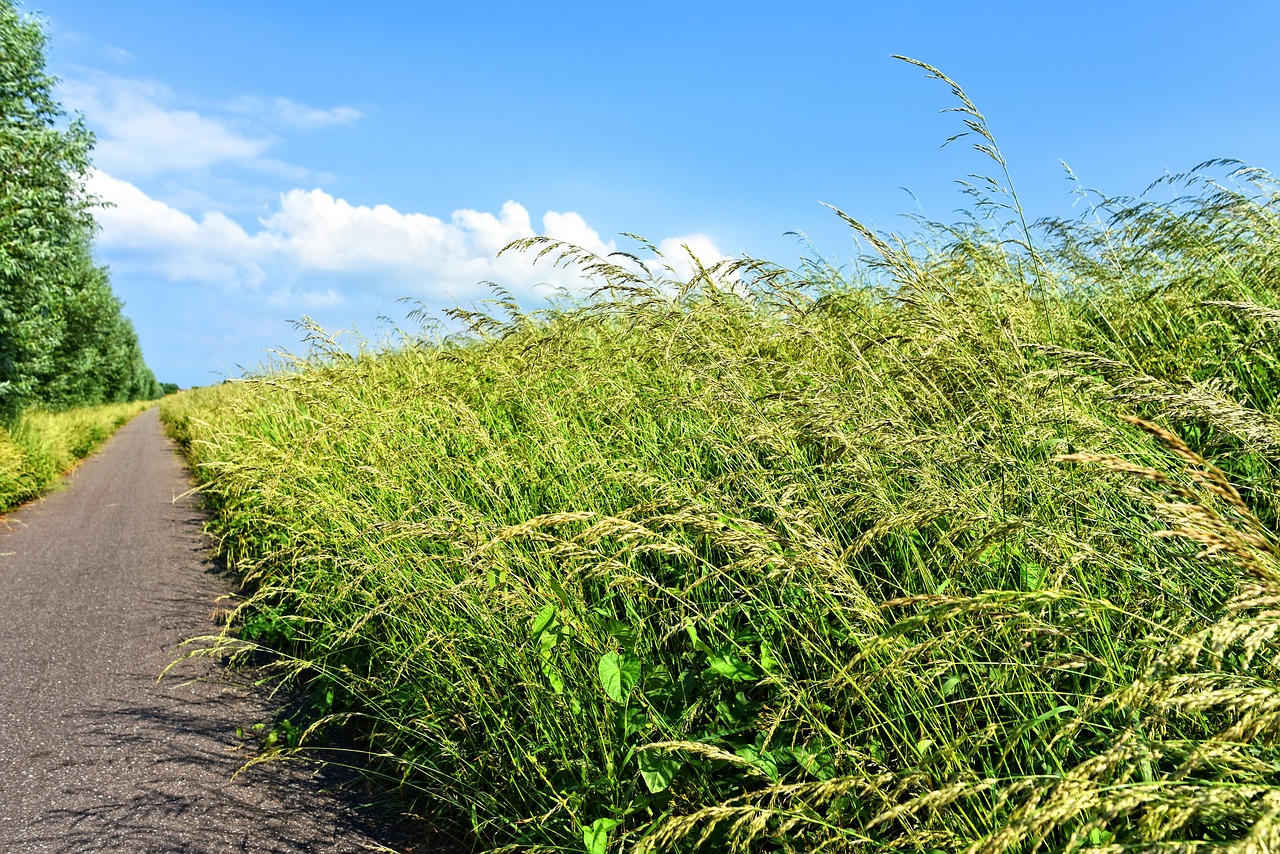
[(378, 250), (311, 246)]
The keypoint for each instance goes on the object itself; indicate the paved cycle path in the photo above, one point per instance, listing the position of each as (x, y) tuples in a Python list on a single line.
[(99, 584)]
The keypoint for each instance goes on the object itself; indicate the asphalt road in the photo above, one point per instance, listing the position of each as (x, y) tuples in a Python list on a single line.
[(99, 584)]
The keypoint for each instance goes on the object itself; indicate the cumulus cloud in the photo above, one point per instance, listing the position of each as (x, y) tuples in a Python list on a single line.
[(399, 253), (147, 233), (679, 253), (307, 248), (311, 236), (572, 228), (224, 290), (327, 234)]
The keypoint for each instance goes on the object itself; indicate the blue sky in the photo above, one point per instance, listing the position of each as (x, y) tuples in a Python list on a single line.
[(270, 160)]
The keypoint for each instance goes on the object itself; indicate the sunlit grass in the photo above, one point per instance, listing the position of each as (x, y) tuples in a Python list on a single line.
[(799, 560), (42, 446)]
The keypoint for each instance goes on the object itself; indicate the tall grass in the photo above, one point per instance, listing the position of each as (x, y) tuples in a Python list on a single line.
[(41, 446), (977, 551)]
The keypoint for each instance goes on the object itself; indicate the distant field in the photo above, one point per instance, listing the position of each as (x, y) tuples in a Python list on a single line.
[(971, 548), (42, 446)]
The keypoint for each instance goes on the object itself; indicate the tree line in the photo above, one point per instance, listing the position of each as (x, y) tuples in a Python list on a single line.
[(64, 340)]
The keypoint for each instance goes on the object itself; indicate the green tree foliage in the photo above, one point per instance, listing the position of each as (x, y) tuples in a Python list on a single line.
[(63, 339)]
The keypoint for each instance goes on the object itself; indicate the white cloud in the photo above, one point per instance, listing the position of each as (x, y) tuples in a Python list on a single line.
[(309, 247), (489, 233), (140, 134), (396, 254), (118, 54), (306, 250), (313, 248), (291, 299), (572, 228), (302, 116), (286, 113), (679, 253), (325, 234), (148, 234), (143, 131)]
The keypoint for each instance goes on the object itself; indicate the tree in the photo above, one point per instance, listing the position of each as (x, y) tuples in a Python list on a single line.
[(63, 339)]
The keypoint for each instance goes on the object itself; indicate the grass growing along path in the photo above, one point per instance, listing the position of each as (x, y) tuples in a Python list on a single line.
[(42, 446), (974, 551)]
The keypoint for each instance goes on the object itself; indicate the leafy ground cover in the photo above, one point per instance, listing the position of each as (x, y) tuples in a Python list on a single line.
[(970, 548), (42, 446)]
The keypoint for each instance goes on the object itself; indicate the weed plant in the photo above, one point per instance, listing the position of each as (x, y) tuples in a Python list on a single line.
[(42, 446), (974, 551)]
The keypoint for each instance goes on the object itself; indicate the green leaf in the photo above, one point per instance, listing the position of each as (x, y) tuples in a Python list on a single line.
[(733, 668), (553, 676), (547, 642), (658, 769), (817, 765), (1033, 575), (624, 634), (634, 721), (1053, 713), (696, 641), (1098, 836), (767, 660), (540, 622), (761, 759), (619, 673), (548, 631), (595, 837)]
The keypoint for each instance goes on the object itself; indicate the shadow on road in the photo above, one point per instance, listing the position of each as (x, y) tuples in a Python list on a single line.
[(182, 752)]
